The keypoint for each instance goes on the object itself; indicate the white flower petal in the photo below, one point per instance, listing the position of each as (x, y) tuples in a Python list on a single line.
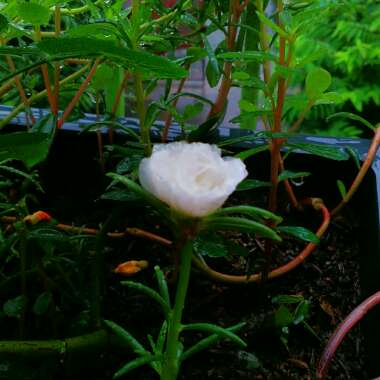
[(192, 178)]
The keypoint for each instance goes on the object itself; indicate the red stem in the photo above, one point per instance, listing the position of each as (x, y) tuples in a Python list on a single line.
[(20, 89), (51, 99), (236, 9), (362, 172), (79, 93), (168, 119), (342, 330), (280, 271)]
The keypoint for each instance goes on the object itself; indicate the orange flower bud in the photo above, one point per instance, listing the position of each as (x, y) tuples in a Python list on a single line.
[(38, 216), (129, 268)]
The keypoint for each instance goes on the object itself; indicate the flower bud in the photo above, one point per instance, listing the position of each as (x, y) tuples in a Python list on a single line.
[(38, 216), (129, 268)]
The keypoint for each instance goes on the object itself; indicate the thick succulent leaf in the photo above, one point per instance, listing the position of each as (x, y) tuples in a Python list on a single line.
[(256, 213), (162, 285), (206, 342), (239, 224), (208, 327), (126, 337), (149, 292), (148, 359)]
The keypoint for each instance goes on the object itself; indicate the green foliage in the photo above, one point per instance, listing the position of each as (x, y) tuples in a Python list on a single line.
[(292, 310)]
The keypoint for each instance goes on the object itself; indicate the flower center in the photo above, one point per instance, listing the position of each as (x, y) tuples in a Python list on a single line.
[(209, 179)]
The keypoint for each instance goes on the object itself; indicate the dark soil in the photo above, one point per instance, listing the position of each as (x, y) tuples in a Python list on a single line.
[(329, 280)]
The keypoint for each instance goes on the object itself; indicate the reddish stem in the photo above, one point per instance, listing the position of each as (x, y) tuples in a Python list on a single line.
[(20, 89), (280, 271), (137, 232), (236, 9), (79, 93), (51, 99), (342, 330), (169, 116), (362, 172)]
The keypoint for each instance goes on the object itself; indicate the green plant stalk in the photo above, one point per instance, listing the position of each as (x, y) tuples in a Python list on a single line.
[(58, 349), (23, 243), (45, 76), (76, 11), (251, 42), (139, 91), (171, 361), (39, 96), (57, 68)]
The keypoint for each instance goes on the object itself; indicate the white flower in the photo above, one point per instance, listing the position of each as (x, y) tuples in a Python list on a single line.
[(191, 178)]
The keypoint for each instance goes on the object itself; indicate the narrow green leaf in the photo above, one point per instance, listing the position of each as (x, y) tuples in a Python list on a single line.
[(245, 117), (290, 299), (162, 285), (341, 188), (268, 22), (255, 212), (237, 140), (318, 81), (287, 174), (249, 184), (87, 47), (327, 151), (300, 233), (161, 338), (206, 342), (256, 56), (239, 224), (133, 186), (212, 71), (148, 359), (3, 23), (149, 292), (208, 327), (250, 152), (22, 174), (352, 116), (354, 155), (126, 337), (103, 30)]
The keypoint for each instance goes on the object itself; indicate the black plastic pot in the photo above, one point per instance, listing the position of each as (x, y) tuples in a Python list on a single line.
[(75, 176)]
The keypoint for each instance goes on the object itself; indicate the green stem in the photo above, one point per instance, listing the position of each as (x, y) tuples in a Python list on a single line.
[(140, 100), (77, 11), (139, 88), (171, 360), (23, 243)]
